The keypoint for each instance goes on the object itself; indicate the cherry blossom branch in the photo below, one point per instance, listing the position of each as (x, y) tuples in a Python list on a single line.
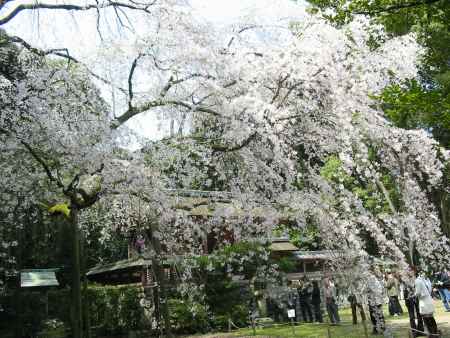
[(228, 149), (64, 53), (44, 165), (72, 7), (241, 31), (117, 122)]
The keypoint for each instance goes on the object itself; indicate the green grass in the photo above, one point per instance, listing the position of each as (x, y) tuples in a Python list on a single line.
[(399, 326)]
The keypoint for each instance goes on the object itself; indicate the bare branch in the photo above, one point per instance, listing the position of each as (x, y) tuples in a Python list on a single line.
[(72, 7), (130, 80)]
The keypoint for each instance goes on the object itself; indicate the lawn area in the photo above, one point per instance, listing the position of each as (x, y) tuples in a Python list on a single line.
[(399, 326)]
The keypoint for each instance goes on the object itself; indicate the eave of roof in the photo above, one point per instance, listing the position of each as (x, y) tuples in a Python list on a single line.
[(283, 246), (119, 265)]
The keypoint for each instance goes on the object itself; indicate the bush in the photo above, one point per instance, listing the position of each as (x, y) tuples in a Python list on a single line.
[(115, 309), (188, 317), (238, 314)]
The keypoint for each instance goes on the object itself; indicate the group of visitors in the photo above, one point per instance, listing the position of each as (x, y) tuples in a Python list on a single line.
[(309, 296), (419, 302), (306, 296), (417, 292)]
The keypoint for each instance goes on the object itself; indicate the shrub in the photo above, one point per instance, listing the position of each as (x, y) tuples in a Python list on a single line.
[(188, 317)]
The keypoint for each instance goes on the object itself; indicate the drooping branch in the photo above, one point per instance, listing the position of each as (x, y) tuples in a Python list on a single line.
[(72, 7)]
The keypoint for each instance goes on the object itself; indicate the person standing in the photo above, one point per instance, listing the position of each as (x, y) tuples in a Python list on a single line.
[(426, 307), (315, 301), (443, 286), (304, 294), (412, 303), (375, 300), (393, 290), (354, 299), (330, 301)]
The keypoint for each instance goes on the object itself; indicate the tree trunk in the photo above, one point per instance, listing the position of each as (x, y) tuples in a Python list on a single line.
[(77, 319), (445, 213), (157, 267), (411, 244)]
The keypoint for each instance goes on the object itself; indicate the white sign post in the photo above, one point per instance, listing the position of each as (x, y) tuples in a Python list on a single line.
[(291, 316)]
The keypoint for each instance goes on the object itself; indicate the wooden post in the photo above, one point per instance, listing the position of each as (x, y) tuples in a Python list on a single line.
[(77, 320), (253, 325), (85, 299), (46, 303)]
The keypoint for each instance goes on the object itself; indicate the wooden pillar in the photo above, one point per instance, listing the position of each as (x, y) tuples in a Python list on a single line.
[(77, 320)]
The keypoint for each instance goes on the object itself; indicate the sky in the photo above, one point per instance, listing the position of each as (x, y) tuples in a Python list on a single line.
[(77, 32)]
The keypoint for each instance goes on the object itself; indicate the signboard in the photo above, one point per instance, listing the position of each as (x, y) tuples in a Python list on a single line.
[(291, 313), (36, 278)]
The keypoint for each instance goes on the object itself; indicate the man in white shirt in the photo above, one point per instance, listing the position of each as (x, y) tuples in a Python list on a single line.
[(426, 307), (330, 301)]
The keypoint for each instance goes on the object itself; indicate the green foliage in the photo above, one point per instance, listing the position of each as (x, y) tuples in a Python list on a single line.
[(112, 309), (242, 257), (307, 238), (286, 264), (411, 106), (226, 299), (333, 171), (188, 317), (368, 192), (238, 314), (61, 208), (115, 309)]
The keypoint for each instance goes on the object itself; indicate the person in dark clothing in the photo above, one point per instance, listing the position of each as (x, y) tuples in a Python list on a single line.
[(315, 301), (443, 286), (354, 299), (412, 304), (304, 296)]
